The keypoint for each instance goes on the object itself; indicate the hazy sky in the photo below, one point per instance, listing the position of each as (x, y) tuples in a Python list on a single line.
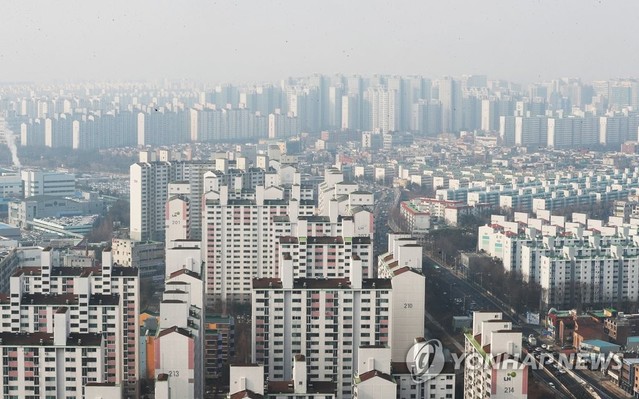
[(258, 40)]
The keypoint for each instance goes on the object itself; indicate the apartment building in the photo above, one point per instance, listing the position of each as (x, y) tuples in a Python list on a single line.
[(243, 223), (239, 241), (377, 376), (583, 261), (155, 179), (179, 345), (219, 345), (55, 364), (494, 351), (94, 308), (526, 192), (328, 319)]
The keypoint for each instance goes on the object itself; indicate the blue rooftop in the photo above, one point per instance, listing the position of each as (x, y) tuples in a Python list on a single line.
[(600, 343)]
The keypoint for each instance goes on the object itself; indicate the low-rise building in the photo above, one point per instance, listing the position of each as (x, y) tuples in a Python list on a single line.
[(622, 327), (46, 206), (417, 221), (73, 226), (219, 345), (146, 256), (446, 211)]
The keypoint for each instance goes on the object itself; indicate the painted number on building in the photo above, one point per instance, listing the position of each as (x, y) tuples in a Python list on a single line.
[(408, 306), (174, 373)]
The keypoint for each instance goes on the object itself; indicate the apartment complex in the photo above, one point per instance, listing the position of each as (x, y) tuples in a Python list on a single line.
[(244, 225), (328, 319), (316, 299), (70, 326), (583, 261), (240, 234), (560, 191)]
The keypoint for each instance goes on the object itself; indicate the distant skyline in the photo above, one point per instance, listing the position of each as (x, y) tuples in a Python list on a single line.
[(257, 41)]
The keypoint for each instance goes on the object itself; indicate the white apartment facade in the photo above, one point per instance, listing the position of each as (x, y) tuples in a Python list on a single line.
[(328, 319), (239, 239), (148, 194), (583, 261), (494, 369), (56, 364)]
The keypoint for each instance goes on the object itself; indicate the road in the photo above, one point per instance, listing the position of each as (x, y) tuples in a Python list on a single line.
[(446, 287), (385, 200), (595, 383)]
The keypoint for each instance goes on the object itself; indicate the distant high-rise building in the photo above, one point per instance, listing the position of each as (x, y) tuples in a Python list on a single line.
[(383, 109), (489, 115), (450, 96), (560, 133), (426, 118), (148, 188), (620, 93), (334, 107), (507, 129), (613, 130), (471, 113), (531, 132), (350, 112), (475, 81)]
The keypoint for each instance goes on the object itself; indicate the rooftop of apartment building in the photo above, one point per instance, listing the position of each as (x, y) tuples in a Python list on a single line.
[(47, 339), (312, 387), (321, 283), (77, 271)]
